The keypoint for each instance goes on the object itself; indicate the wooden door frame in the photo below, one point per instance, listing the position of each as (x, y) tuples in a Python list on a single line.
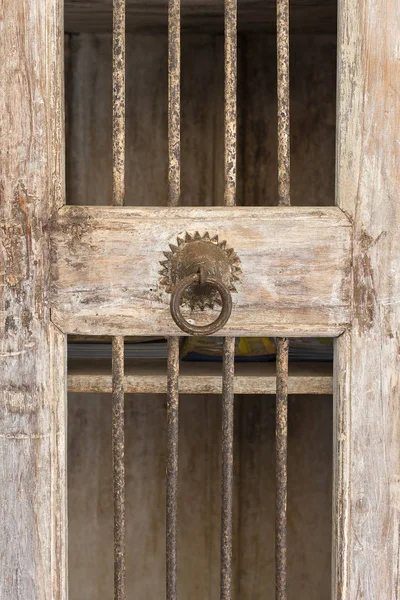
[(33, 487), (367, 367), (367, 371)]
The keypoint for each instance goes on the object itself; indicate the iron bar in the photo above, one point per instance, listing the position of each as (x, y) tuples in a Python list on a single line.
[(172, 464), (282, 344), (230, 113), (174, 191), (227, 467), (174, 102), (118, 396), (283, 102), (228, 366), (281, 431), (118, 103), (118, 443)]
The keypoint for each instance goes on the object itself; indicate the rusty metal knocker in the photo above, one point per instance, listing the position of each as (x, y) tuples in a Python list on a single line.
[(212, 282), (200, 271)]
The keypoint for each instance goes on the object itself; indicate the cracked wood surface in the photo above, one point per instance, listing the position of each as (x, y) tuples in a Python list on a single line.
[(367, 470), (295, 263), (32, 382)]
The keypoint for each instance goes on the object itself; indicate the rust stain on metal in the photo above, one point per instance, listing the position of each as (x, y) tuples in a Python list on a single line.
[(282, 344), (282, 367), (118, 102), (118, 414), (230, 101), (228, 366), (283, 102), (174, 191), (227, 467), (172, 464), (174, 102), (118, 444)]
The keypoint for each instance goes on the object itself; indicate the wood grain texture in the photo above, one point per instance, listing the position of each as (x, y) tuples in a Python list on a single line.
[(96, 15), (368, 176), (295, 262), (150, 376), (32, 351)]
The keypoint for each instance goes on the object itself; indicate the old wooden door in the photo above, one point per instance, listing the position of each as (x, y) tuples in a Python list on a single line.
[(96, 271)]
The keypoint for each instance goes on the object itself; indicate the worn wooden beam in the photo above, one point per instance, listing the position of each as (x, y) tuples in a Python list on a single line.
[(150, 377), (32, 349), (367, 490), (295, 263)]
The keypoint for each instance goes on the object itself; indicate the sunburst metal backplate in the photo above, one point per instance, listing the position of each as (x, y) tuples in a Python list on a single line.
[(193, 252)]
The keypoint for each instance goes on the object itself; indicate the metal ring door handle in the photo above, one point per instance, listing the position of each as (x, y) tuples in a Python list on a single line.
[(177, 296)]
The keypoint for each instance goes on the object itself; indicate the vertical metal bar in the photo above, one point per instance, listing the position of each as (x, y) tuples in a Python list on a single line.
[(227, 467), (172, 464), (282, 364), (118, 412), (283, 102), (118, 442), (174, 102), (230, 101), (118, 105), (230, 139), (174, 191), (282, 344)]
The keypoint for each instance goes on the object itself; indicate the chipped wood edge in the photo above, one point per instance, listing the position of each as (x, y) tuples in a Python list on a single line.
[(341, 467)]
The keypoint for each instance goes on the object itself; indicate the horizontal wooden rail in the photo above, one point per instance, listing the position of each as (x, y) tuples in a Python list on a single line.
[(150, 376), (295, 265)]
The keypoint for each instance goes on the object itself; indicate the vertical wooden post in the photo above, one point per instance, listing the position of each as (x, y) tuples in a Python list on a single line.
[(32, 350), (367, 506)]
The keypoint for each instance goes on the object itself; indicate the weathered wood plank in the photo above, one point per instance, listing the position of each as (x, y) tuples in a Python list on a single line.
[(368, 177), (295, 262), (32, 350), (150, 376)]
